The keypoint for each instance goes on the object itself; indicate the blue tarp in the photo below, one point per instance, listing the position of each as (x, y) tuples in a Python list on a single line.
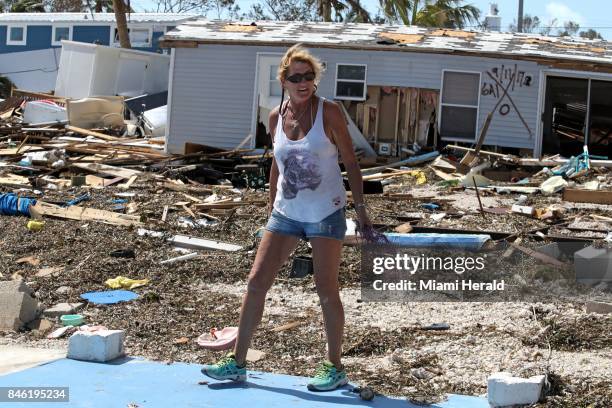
[(427, 240), (109, 297), (10, 204), (152, 385)]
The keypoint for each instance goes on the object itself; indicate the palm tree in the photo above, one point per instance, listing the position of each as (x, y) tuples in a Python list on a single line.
[(351, 10), (120, 18), (430, 13), (28, 6)]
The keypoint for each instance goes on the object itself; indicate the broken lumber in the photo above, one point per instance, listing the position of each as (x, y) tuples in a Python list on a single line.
[(587, 196), (83, 214), (87, 132), (184, 241), (107, 170), (407, 162), (539, 256)]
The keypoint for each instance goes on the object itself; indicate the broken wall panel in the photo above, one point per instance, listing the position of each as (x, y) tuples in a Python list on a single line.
[(395, 116)]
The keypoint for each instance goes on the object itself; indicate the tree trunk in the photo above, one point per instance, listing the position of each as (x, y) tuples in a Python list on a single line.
[(122, 29), (415, 11)]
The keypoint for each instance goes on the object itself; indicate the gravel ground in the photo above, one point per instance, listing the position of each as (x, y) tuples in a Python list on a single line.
[(384, 343)]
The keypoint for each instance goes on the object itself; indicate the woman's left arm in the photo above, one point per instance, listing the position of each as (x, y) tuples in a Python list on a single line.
[(336, 121)]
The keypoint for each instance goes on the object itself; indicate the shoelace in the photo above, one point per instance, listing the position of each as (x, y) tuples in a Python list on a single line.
[(323, 371), (225, 361)]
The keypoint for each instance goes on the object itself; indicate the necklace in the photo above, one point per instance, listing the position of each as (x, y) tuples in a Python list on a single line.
[(294, 123)]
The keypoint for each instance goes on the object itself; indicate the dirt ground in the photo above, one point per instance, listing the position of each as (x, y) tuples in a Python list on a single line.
[(384, 345)]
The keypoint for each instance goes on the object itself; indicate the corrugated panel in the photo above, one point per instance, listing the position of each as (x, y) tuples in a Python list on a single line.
[(213, 89)]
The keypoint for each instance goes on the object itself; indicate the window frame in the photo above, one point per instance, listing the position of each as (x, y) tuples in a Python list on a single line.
[(55, 27), (363, 81), (272, 82), (131, 27), (442, 104), (24, 27)]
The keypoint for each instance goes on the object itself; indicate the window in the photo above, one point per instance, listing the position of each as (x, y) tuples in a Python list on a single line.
[(351, 82), (459, 105), (275, 88), (16, 35), (61, 33), (139, 36)]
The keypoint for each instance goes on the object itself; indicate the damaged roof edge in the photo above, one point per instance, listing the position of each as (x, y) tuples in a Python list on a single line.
[(576, 64), (385, 37)]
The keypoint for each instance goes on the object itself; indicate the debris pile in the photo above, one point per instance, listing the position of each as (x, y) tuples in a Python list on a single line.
[(160, 246)]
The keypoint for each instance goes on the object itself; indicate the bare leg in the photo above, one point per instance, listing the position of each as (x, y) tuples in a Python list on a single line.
[(326, 259), (273, 251)]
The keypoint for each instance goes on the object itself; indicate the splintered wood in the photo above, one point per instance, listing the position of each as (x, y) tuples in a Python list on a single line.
[(42, 209)]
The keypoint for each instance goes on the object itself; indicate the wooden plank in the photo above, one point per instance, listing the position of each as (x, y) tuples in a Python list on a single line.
[(550, 162), (14, 180), (83, 214), (16, 151), (107, 170), (129, 183), (165, 213), (540, 256), (37, 95), (443, 175), (189, 189), (94, 181), (587, 196), (184, 241), (88, 132)]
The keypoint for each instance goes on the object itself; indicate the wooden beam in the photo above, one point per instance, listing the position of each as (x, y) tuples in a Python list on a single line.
[(107, 170), (83, 214), (184, 241), (88, 132), (587, 196)]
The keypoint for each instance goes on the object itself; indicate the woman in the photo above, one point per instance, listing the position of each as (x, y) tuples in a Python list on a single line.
[(307, 199)]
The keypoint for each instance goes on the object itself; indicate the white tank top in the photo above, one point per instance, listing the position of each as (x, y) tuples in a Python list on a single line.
[(310, 186)]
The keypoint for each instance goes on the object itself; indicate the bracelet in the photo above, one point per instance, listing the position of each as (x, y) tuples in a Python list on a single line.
[(360, 205)]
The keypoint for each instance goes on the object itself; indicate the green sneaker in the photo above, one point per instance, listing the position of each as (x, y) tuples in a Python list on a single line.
[(225, 369), (327, 378)]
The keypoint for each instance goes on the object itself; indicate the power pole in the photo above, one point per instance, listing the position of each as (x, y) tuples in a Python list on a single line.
[(519, 25)]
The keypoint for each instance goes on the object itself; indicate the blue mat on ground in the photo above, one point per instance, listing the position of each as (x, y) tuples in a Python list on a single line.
[(149, 384), (109, 297)]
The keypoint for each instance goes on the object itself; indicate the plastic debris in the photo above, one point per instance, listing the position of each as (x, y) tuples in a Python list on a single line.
[(125, 283), (35, 226), (430, 206), (10, 204), (218, 339), (109, 297), (553, 184)]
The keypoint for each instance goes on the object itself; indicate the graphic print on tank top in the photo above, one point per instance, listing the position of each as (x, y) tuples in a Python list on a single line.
[(301, 171)]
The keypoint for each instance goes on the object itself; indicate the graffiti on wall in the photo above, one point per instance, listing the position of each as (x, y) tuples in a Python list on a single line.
[(501, 82)]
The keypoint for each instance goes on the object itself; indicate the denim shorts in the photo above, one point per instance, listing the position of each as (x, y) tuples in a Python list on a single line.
[(333, 226)]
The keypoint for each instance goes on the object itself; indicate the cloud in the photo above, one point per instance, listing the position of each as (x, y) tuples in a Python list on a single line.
[(561, 12)]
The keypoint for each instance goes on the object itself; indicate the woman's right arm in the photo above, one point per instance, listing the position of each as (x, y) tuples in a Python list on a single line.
[(272, 122)]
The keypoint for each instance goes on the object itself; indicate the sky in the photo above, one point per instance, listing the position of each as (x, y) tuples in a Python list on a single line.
[(587, 13)]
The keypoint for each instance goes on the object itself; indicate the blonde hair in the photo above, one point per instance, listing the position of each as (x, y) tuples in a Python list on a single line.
[(300, 54)]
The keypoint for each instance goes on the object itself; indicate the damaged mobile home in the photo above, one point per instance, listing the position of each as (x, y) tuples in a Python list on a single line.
[(399, 85)]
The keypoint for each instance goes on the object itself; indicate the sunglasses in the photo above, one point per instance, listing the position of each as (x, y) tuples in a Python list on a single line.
[(297, 78)]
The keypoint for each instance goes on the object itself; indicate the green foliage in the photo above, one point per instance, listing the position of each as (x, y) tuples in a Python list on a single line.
[(438, 13)]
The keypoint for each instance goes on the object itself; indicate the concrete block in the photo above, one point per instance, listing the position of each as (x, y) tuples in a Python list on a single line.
[(17, 306), (100, 346), (62, 309), (599, 307), (593, 265), (504, 390)]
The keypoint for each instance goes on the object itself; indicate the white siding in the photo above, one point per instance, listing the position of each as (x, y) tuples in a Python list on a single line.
[(213, 87)]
